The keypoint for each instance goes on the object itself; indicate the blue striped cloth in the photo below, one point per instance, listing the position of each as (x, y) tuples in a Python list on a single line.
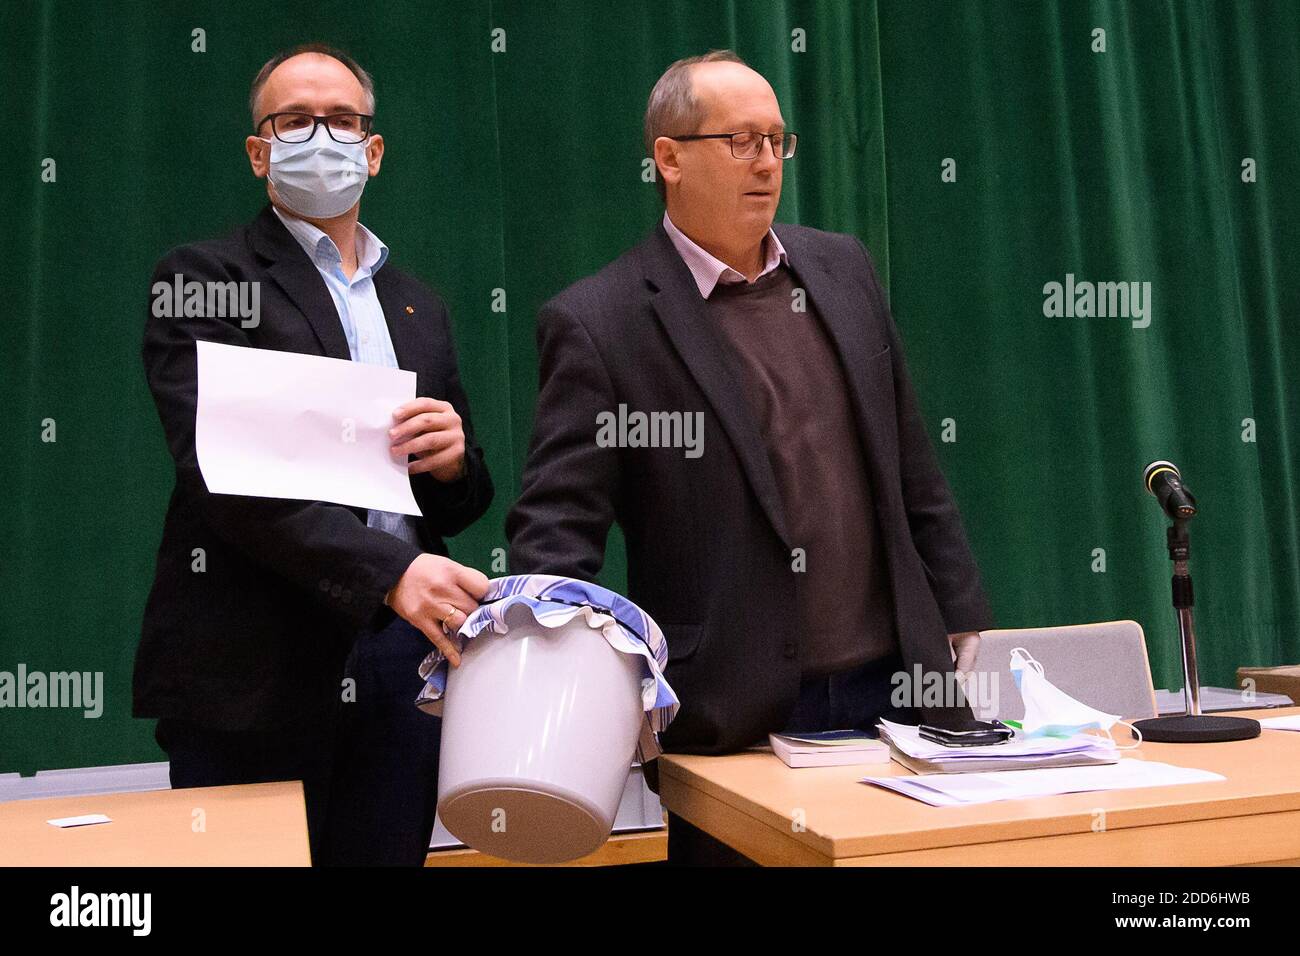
[(554, 601)]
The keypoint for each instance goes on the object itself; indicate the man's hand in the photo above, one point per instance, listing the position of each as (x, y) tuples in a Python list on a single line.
[(436, 595), (430, 430), (964, 646)]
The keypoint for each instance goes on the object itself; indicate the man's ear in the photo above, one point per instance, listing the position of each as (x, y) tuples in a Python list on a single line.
[(259, 155), (667, 161), (374, 154)]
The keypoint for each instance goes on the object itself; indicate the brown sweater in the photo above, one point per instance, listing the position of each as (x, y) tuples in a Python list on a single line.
[(794, 384)]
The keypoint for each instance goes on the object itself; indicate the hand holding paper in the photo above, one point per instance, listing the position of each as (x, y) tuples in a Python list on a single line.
[(431, 430)]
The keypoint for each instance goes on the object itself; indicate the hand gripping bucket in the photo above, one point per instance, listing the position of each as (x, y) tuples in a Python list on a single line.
[(540, 724)]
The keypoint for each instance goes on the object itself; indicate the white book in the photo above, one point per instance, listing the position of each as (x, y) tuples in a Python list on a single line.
[(833, 748)]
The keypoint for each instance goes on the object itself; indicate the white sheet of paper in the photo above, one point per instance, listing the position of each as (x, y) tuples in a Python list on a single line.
[(1281, 723), (955, 789), (82, 821), (284, 425)]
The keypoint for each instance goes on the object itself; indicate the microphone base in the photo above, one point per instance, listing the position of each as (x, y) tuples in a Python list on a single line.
[(1200, 729)]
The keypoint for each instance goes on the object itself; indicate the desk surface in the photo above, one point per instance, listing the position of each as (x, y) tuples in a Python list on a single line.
[(258, 824), (822, 816)]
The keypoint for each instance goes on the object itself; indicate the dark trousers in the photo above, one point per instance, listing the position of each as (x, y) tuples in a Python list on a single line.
[(852, 700), (370, 778), (385, 792)]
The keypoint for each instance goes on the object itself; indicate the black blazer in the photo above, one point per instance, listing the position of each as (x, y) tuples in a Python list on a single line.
[(258, 637), (707, 551)]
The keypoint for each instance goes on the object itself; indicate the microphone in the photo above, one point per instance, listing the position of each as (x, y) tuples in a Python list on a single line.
[(1163, 480)]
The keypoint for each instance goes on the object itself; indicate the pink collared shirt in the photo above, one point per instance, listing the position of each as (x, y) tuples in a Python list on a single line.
[(708, 270)]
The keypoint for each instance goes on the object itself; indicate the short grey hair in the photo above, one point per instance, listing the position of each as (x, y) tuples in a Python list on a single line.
[(264, 74), (672, 109)]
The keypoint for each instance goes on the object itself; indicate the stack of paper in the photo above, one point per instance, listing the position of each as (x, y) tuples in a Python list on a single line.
[(913, 751), (959, 789)]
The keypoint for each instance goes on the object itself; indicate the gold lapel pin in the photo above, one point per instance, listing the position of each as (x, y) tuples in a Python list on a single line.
[(410, 310)]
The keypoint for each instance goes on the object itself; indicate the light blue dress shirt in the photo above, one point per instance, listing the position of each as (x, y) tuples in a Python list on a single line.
[(362, 317)]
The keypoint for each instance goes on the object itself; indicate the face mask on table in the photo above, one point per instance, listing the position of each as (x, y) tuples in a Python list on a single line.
[(1050, 711)]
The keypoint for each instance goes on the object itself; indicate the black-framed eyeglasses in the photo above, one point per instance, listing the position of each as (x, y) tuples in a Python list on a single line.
[(747, 145), (300, 127)]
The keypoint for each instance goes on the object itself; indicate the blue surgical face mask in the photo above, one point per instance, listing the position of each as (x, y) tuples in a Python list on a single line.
[(318, 178)]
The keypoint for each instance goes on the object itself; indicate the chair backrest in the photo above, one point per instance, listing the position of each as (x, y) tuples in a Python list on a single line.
[(1103, 665)]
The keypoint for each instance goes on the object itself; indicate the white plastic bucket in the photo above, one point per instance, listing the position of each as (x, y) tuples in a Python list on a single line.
[(539, 728)]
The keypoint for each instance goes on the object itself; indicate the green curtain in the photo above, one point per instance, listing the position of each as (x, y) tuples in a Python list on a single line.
[(521, 170)]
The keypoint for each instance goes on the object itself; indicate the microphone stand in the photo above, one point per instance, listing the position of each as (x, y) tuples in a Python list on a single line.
[(1192, 727)]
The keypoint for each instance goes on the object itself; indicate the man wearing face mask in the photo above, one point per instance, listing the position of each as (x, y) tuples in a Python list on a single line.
[(282, 639)]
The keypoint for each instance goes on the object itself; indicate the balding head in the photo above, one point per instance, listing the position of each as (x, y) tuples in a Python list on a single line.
[(712, 194), (311, 68), (723, 87), (673, 109)]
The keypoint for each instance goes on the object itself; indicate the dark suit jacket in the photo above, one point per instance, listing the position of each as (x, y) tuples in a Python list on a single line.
[(258, 638), (707, 550)]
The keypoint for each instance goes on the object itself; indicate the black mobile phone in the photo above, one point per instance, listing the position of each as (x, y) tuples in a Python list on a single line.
[(968, 733)]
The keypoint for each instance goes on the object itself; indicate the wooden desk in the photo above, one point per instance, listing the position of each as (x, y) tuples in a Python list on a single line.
[(751, 801), (621, 849), (258, 824)]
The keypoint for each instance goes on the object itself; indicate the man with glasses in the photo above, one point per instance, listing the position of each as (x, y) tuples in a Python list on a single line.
[(812, 550), (282, 639)]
